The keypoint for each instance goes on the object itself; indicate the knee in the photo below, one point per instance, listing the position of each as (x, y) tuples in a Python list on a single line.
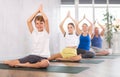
[(79, 57), (88, 55), (44, 64)]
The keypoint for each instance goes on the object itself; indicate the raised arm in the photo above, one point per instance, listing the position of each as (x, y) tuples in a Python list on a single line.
[(78, 31), (103, 29), (90, 27), (45, 18), (93, 33), (75, 22), (30, 19), (62, 23)]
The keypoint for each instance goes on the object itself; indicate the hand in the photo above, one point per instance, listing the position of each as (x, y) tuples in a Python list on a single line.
[(84, 16), (68, 14), (41, 8)]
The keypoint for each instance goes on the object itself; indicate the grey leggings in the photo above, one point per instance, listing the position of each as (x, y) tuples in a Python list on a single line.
[(85, 54)]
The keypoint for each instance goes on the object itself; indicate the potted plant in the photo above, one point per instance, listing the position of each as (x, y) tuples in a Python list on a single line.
[(108, 19)]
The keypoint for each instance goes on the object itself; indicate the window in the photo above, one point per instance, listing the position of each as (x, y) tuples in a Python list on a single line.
[(87, 11), (63, 13), (92, 11), (100, 1), (85, 1), (67, 2), (99, 11), (114, 1)]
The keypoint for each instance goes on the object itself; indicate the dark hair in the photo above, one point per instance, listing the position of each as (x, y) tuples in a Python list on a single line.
[(85, 24), (39, 18), (71, 24)]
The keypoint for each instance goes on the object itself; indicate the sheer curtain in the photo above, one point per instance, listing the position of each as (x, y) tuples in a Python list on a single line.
[(14, 34), (116, 42)]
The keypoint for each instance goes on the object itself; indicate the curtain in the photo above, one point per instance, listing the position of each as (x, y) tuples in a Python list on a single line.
[(116, 42)]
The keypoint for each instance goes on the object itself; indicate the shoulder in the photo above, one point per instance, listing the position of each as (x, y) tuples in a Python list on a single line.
[(100, 36), (89, 35), (46, 33), (34, 32)]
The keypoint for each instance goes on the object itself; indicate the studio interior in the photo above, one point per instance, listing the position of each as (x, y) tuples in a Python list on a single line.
[(59, 38)]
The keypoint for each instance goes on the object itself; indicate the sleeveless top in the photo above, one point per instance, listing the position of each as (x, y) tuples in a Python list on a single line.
[(84, 42), (71, 40), (97, 41)]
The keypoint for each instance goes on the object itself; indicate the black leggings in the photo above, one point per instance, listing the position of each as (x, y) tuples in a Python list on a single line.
[(85, 54)]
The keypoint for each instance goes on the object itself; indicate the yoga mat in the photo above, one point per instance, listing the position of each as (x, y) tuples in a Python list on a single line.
[(114, 54), (83, 61), (91, 61), (107, 57), (55, 69)]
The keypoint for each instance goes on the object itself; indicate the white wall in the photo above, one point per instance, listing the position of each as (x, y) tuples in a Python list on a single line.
[(14, 34)]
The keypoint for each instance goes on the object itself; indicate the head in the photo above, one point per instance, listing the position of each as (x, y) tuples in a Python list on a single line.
[(39, 23), (71, 28), (96, 30), (85, 27)]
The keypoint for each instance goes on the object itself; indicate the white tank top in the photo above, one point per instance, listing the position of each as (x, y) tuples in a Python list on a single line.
[(71, 40), (40, 44)]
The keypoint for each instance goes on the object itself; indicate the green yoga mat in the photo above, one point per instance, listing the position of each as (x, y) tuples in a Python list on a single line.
[(91, 61), (107, 57), (83, 61), (58, 69), (115, 54)]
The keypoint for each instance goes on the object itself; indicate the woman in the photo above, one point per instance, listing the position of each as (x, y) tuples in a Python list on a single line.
[(69, 52), (84, 39)]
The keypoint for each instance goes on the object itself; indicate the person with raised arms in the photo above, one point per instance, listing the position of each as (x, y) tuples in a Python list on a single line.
[(69, 53), (37, 58)]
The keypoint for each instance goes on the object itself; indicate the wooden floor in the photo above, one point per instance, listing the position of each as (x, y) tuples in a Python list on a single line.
[(108, 68)]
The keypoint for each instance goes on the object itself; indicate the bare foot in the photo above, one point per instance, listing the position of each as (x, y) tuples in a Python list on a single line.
[(59, 59), (9, 63), (6, 62)]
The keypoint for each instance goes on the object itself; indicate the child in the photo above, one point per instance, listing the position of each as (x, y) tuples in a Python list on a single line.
[(37, 58), (69, 52)]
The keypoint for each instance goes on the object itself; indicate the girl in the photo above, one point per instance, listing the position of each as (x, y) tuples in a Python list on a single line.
[(69, 52)]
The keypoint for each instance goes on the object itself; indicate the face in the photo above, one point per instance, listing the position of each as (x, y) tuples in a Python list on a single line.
[(39, 25), (84, 27), (70, 28), (96, 30)]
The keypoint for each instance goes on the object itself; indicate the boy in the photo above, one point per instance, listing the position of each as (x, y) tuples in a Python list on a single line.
[(40, 43)]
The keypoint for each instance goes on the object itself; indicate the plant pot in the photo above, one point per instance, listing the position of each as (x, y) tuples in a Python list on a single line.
[(110, 51)]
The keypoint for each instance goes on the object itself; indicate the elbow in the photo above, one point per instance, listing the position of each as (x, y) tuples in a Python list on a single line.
[(46, 19), (29, 21)]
